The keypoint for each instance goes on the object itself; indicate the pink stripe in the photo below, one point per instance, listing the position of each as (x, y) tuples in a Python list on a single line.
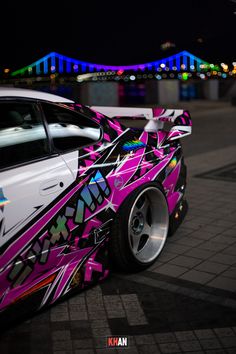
[(161, 136), (107, 137), (157, 111)]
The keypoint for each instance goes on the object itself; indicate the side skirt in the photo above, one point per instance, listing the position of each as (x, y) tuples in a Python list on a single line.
[(177, 216)]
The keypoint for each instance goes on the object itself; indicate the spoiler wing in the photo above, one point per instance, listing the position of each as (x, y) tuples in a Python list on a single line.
[(181, 120)]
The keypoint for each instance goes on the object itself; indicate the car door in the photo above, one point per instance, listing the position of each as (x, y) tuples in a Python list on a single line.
[(33, 179), (72, 132)]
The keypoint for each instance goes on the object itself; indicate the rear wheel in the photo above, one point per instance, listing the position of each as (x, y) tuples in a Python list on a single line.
[(140, 229)]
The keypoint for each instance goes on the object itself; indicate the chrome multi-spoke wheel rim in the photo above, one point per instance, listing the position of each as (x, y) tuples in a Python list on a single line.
[(148, 224)]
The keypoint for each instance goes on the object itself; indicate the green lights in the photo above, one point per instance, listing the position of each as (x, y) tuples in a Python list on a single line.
[(185, 76)]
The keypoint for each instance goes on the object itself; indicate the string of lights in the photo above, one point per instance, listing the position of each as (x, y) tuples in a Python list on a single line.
[(183, 66)]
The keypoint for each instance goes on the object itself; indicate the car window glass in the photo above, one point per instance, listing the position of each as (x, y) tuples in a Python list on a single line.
[(70, 130), (22, 134)]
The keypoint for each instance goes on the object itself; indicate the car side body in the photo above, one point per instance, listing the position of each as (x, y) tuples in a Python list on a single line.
[(69, 174)]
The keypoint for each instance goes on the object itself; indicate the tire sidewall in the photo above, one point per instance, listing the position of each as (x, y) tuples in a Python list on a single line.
[(120, 230)]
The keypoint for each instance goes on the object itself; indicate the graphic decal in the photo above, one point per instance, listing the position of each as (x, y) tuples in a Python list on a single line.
[(89, 197), (66, 247), (119, 182), (180, 118), (3, 200), (171, 165), (133, 145)]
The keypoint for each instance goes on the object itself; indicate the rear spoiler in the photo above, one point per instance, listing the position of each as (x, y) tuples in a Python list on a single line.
[(181, 120)]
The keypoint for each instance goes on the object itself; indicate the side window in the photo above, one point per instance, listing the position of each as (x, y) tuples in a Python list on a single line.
[(22, 134), (70, 130)]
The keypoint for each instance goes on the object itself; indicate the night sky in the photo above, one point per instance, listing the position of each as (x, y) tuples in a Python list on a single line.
[(117, 32)]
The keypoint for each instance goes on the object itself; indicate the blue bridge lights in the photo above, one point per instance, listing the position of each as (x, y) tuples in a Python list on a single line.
[(55, 62)]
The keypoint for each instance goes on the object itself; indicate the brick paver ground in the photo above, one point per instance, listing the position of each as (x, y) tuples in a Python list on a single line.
[(185, 302)]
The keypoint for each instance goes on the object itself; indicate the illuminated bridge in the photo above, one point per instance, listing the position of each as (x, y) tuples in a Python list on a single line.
[(57, 63)]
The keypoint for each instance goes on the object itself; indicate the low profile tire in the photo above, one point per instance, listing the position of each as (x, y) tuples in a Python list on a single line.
[(140, 229)]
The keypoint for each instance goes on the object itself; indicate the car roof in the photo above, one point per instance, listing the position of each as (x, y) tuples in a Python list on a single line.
[(38, 95)]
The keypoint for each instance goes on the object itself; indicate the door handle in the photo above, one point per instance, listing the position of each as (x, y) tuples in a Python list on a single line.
[(50, 186)]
